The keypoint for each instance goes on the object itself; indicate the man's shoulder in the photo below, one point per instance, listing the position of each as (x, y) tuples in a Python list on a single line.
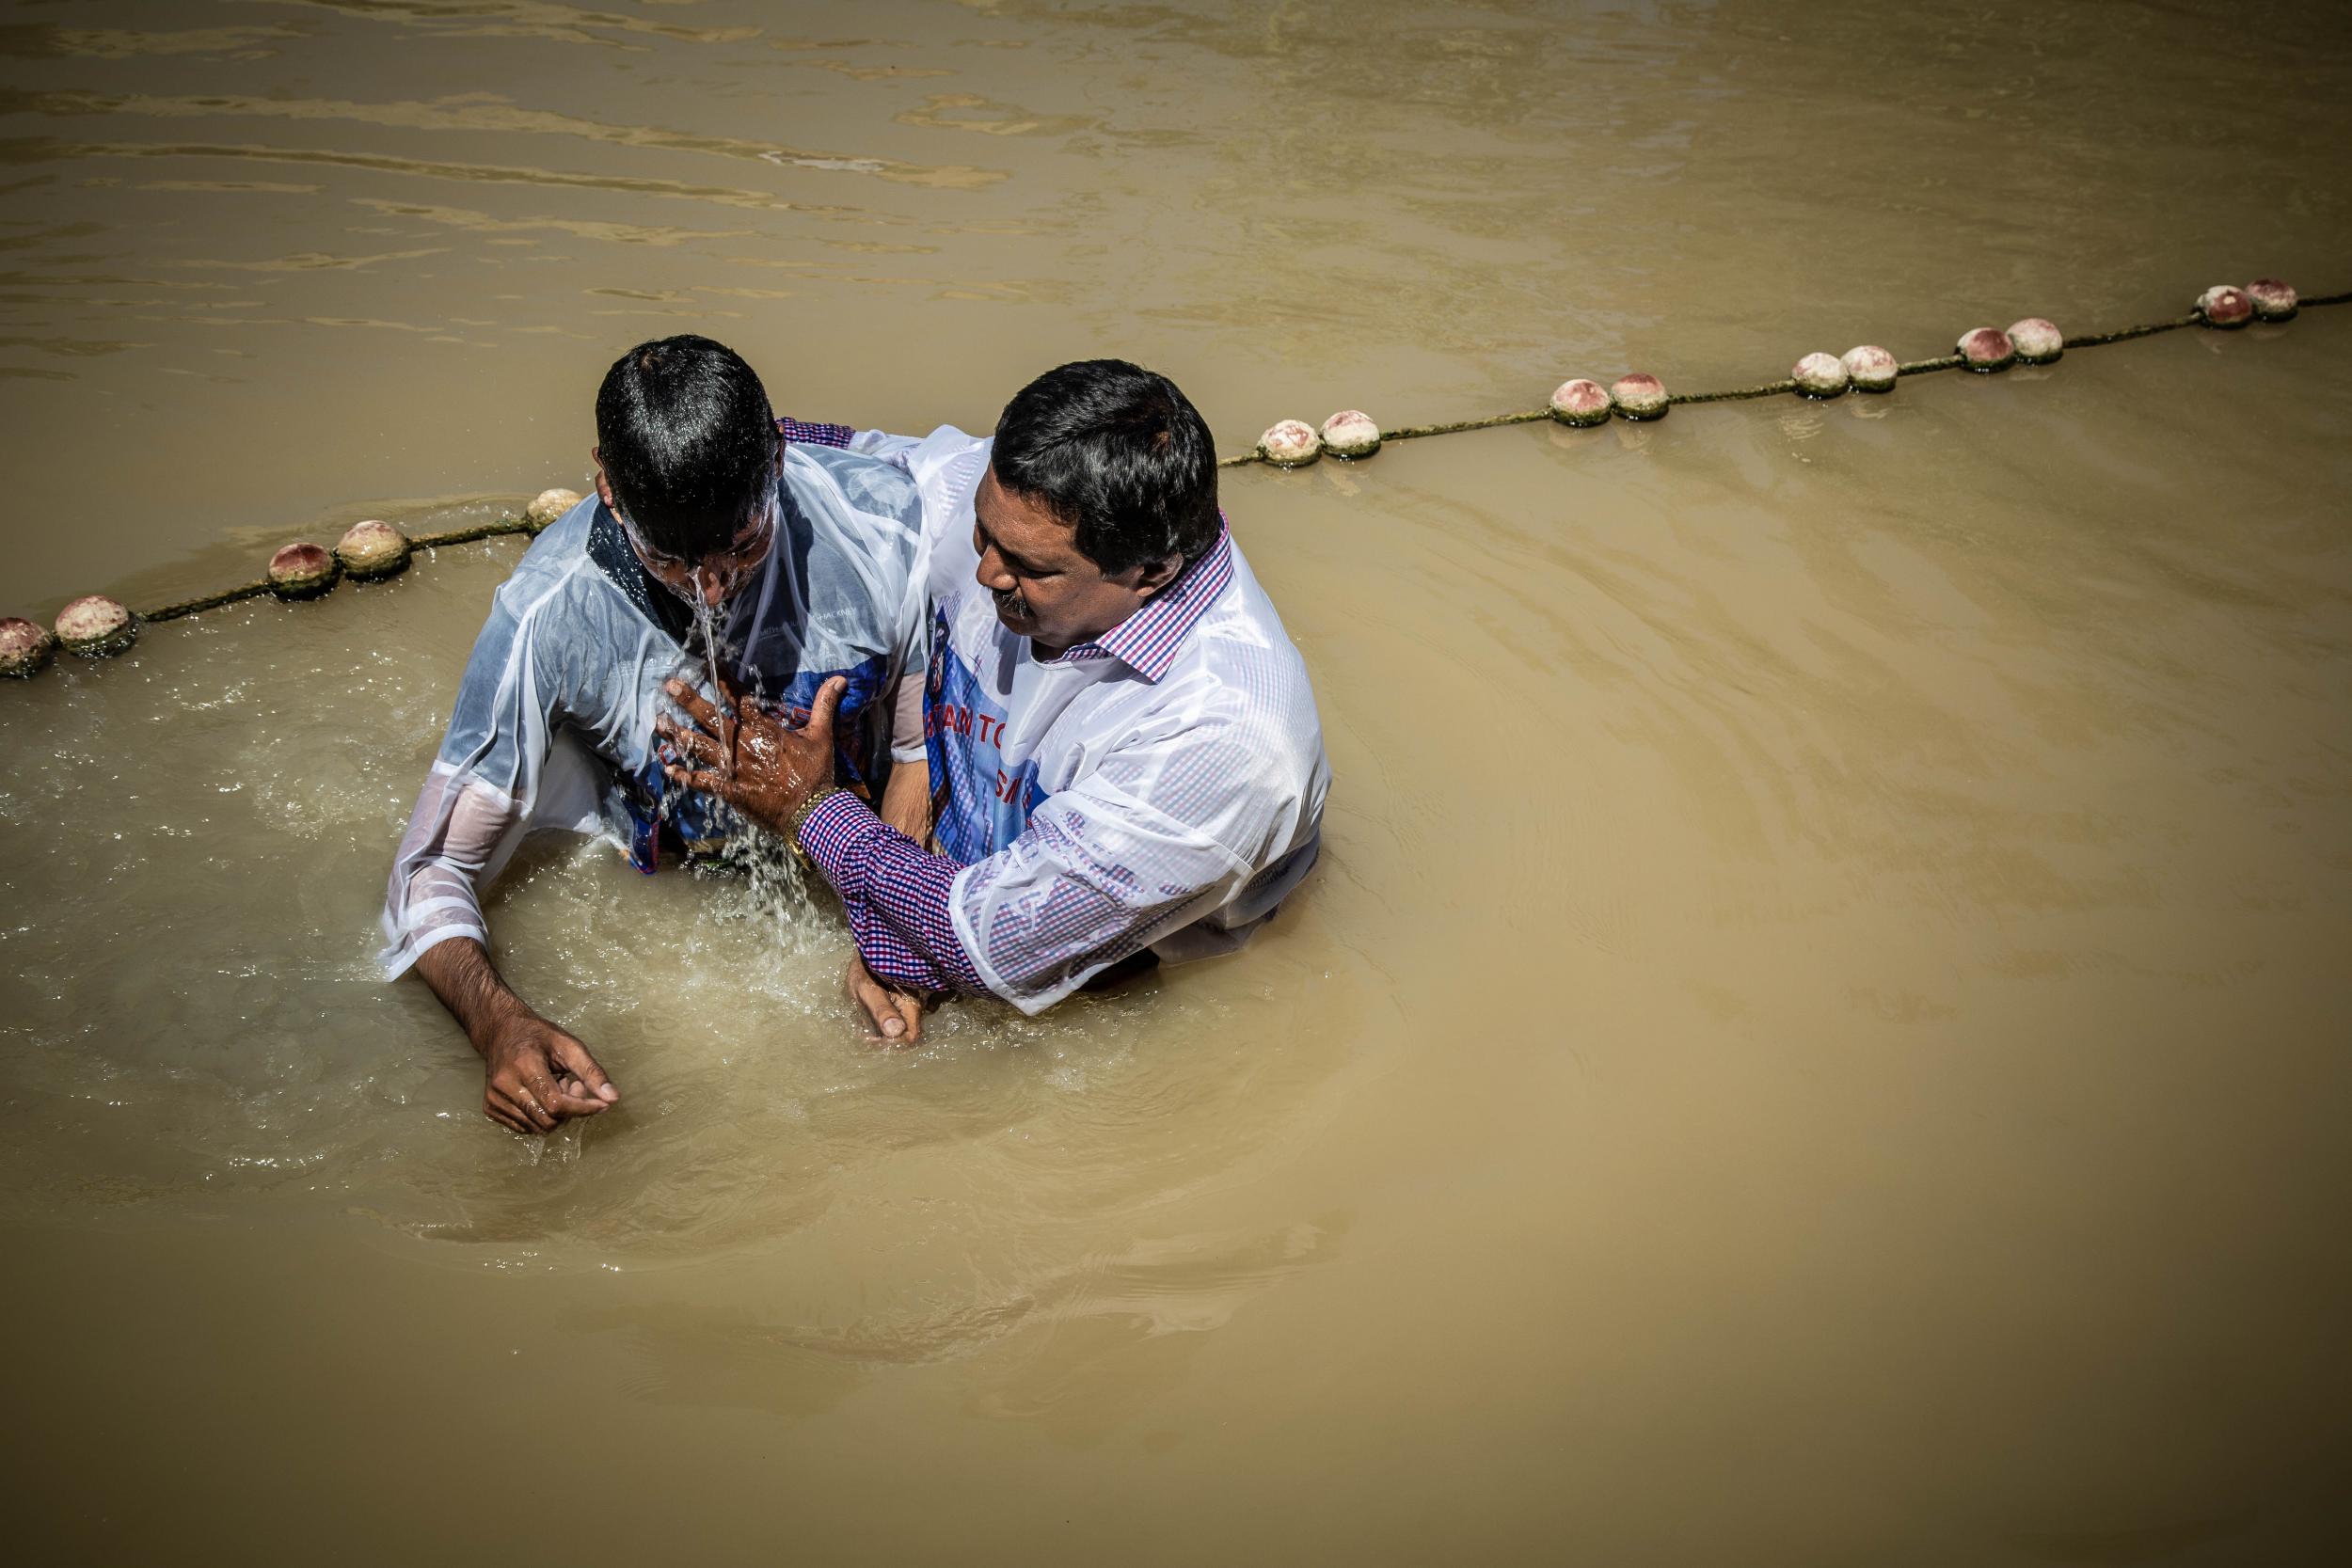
[(882, 493), (1240, 635)]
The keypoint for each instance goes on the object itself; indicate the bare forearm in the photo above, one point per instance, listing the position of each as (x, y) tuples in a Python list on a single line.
[(460, 973), (906, 802)]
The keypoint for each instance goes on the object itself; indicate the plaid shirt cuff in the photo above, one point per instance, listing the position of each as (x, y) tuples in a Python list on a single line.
[(815, 434), (899, 900)]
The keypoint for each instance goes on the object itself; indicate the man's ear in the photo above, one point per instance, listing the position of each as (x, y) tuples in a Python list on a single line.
[(1155, 574), (604, 485)]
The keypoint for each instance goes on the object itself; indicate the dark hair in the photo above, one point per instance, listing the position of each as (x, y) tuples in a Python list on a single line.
[(1118, 453), (689, 442)]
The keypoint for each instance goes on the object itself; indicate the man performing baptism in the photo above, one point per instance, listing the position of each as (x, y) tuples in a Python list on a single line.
[(717, 545), (1125, 759)]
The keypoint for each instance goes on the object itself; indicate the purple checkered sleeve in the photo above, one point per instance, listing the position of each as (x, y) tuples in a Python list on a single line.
[(898, 898), (815, 434)]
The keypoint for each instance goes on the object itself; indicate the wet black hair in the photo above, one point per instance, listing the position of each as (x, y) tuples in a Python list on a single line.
[(1117, 452), (689, 443)]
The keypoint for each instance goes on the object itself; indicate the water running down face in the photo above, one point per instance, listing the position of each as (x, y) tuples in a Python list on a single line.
[(702, 585)]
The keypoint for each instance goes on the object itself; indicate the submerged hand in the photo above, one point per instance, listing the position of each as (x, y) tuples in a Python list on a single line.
[(894, 1015), (752, 760), (535, 1076)]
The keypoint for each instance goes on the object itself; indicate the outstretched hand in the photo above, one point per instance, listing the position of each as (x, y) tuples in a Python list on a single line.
[(752, 760)]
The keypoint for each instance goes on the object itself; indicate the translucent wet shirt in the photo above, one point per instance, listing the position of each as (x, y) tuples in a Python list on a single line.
[(552, 726)]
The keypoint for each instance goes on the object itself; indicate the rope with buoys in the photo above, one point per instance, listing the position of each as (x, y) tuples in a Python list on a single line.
[(96, 627), (1351, 435)]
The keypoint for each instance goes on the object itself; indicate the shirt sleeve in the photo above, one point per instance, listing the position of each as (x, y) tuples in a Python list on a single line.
[(1165, 830), (897, 898), (477, 798)]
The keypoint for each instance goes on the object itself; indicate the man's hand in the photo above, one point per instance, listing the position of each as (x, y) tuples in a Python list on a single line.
[(896, 1016), (536, 1076), (754, 762)]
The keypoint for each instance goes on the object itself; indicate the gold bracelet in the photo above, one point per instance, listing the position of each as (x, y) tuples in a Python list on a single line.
[(799, 816)]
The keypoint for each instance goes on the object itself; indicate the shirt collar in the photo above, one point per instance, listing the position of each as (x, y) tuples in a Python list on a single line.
[(1147, 641)]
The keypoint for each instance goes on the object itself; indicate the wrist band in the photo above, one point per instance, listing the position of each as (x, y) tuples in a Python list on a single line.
[(799, 818)]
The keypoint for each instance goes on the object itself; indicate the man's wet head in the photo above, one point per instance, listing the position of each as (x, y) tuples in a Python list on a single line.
[(1101, 486), (687, 458)]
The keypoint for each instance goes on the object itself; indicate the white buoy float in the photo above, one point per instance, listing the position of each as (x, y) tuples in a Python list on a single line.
[(25, 648), (2036, 341), (548, 506), (302, 571), (1870, 368), (1351, 434), (2225, 305), (1580, 402), (1290, 444), (96, 627), (1639, 396), (2273, 301), (373, 550), (1986, 349), (1819, 376)]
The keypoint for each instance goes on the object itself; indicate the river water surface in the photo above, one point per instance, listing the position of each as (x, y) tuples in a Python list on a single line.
[(1820, 1034)]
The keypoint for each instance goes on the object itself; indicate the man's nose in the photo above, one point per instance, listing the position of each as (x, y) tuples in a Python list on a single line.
[(712, 586), (990, 573)]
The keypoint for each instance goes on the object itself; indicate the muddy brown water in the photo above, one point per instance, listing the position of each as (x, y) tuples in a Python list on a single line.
[(1820, 1034)]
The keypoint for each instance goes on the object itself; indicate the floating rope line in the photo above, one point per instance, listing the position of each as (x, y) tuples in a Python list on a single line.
[(96, 627), (1293, 443)]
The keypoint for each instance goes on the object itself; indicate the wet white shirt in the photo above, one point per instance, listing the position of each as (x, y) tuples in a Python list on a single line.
[(1161, 786)]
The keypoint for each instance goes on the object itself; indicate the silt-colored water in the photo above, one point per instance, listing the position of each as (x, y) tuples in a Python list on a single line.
[(1819, 1037)]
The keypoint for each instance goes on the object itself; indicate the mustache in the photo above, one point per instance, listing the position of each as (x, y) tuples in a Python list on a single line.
[(1010, 604)]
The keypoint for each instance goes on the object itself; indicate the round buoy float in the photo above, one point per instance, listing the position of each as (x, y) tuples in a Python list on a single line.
[(302, 571), (2036, 341), (2273, 301), (2225, 305), (1290, 444), (1870, 368), (371, 551), (25, 648), (96, 627), (1819, 376), (1986, 349), (548, 506), (1580, 402), (1351, 434), (1639, 396)]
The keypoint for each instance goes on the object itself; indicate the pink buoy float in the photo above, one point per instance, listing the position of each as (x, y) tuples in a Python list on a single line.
[(25, 648), (96, 627), (1290, 444), (302, 571), (1580, 402), (2226, 306), (1870, 368), (1986, 349), (2037, 341), (1639, 396), (1351, 434), (548, 506), (1819, 376), (2273, 301), (373, 550)]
